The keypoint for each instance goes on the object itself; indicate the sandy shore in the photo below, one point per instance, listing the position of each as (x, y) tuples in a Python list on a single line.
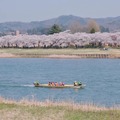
[(62, 56), (7, 55)]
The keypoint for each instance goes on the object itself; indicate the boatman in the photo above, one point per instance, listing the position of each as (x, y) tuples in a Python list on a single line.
[(37, 83), (75, 83), (79, 83)]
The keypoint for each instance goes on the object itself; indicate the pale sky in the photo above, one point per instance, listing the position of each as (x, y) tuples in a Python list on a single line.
[(38, 10)]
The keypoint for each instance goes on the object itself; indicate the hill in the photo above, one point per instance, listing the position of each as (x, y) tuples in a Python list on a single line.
[(113, 23)]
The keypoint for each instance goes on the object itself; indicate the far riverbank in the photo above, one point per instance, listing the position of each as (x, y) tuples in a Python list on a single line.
[(59, 53)]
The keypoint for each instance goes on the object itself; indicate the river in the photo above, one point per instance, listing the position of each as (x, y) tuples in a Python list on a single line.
[(101, 76)]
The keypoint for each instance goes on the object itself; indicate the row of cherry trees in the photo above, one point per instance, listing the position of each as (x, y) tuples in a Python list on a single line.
[(62, 40)]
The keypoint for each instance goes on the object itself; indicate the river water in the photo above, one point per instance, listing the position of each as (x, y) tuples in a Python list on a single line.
[(101, 76)]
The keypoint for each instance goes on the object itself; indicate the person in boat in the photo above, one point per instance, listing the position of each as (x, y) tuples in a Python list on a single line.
[(53, 84), (56, 84), (75, 83), (79, 83), (49, 83), (36, 83), (61, 84)]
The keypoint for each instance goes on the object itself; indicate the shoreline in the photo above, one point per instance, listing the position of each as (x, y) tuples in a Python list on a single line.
[(61, 56), (66, 103), (59, 53)]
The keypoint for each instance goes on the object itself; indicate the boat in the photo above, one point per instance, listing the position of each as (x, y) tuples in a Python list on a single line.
[(58, 86)]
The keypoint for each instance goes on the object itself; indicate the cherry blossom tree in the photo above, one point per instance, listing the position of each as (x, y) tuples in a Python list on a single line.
[(61, 40)]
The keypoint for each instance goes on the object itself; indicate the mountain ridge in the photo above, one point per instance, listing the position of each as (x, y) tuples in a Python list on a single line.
[(113, 23)]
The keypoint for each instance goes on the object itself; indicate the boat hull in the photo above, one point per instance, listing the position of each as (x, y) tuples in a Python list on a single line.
[(65, 86)]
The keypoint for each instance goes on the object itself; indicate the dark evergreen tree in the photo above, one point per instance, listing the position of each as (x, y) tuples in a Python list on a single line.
[(54, 29), (92, 30), (103, 29)]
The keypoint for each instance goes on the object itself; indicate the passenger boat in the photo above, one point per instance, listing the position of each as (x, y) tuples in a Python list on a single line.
[(58, 86)]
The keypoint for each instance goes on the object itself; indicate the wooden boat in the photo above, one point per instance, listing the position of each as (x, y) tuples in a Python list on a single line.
[(64, 86)]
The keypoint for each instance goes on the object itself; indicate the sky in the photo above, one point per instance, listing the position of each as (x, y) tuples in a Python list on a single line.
[(39, 10)]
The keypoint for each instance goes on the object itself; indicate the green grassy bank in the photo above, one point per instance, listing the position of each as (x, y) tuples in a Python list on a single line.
[(26, 110), (59, 51)]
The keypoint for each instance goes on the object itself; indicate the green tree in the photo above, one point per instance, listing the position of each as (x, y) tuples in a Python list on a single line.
[(55, 29), (92, 30), (103, 29)]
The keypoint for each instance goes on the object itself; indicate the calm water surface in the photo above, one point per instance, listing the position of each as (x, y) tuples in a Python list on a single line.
[(101, 76)]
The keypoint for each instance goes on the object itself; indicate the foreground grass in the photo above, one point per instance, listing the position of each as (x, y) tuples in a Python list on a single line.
[(25, 110), (59, 51)]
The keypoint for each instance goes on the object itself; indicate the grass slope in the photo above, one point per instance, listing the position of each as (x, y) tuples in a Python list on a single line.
[(59, 51), (32, 110)]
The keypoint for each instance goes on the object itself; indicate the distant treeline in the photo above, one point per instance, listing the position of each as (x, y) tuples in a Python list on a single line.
[(74, 27), (90, 27)]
